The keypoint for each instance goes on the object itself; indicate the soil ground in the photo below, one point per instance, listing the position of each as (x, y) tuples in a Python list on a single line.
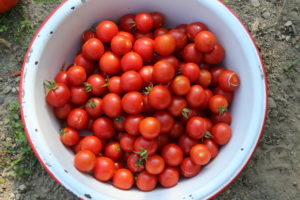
[(273, 172)]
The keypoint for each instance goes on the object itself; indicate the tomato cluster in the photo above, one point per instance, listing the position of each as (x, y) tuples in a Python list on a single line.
[(154, 100)]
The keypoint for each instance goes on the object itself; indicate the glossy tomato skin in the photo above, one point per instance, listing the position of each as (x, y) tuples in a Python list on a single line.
[(172, 154), (103, 128), (114, 85), (6, 5), (132, 124), (147, 108), (194, 28), (131, 81), (84, 161), (229, 80), (146, 181), (77, 118), (218, 104), (204, 78), (132, 102), (93, 49), (145, 48), (123, 179), (146, 74), (133, 163), (58, 95), (190, 54), (113, 151), (180, 85), (78, 95), (96, 84), (86, 35), (111, 105), (126, 142), (200, 154), (158, 19), (69, 136), (110, 63), (127, 23), (191, 71), (166, 121), (205, 41), (171, 59), (149, 127), (120, 44), (188, 168), (160, 31), (94, 107), (127, 35), (226, 94), (162, 140), (196, 96), (216, 55), (160, 97), (177, 106), (88, 65), (163, 72), (61, 77), (182, 27), (131, 61), (192, 112), (144, 22), (224, 117), (196, 127), (104, 168), (106, 30), (215, 73), (139, 35), (169, 177), (91, 143), (180, 38), (221, 133), (165, 44), (155, 164), (186, 143), (212, 147), (142, 143), (177, 130), (63, 111)]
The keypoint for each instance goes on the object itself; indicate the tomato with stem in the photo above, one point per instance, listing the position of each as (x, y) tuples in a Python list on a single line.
[(69, 136), (58, 94)]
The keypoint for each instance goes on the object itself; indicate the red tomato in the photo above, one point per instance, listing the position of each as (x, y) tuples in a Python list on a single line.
[(163, 72), (191, 71), (126, 142), (190, 54), (160, 97), (120, 44), (147, 108), (118, 165), (132, 124), (172, 154), (69, 136), (58, 94), (165, 45), (135, 163), (180, 38), (226, 94), (61, 77), (147, 75), (131, 61), (88, 34), (127, 35), (119, 123), (84, 161), (160, 31), (205, 41), (111, 105), (188, 168), (209, 94), (200, 154), (158, 19), (169, 177), (204, 78), (196, 127), (171, 59), (110, 63), (77, 118), (186, 143), (144, 22), (221, 133), (93, 49), (77, 147), (149, 127), (123, 179), (216, 55), (63, 111), (155, 164), (106, 30), (127, 23), (104, 168), (78, 95), (192, 112), (146, 181), (218, 104), (224, 117), (150, 145), (196, 96), (181, 85), (91, 143), (114, 85), (88, 65), (131, 81), (162, 141), (145, 48), (132, 102), (6, 5), (94, 107), (215, 73), (178, 106), (139, 35), (181, 27), (177, 131), (96, 84), (166, 121), (103, 128), (212, 147), (229, 80), (194, 28), (113, 151)]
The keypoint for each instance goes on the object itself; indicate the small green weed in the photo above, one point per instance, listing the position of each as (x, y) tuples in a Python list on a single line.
[(3, 28), (292, 64), (24, 27)]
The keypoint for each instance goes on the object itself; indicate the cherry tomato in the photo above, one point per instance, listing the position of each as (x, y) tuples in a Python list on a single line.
[(191, 71), (120, 44), (160, 31), (88, 65), (162, 141), (158, 19), (96, 84), (132, 124), (215, 73), (149, 127), (188, 168), (61, 77), (181, 27), (166, 121), (63, 111), (221, 133), (172, 154), (216, 55), (104, 168), (147, 75), (77, 118), (110, 63), (114, 85), (229, 80), (200, 154), (127, 23), (144, 22), (131, 81), (218, 104), (180, 38), (163, 72), (181, 85), (91, 143), (123, 179), (192, 112), (146, 181), (178, 106), (126, 142), (205, 41), (186, 143), (194, 28), (118, 165), (77, 147), (135, 163), (93, 49), (103, 128), (127, 35), (69, 136), (147, 108), (171, 59), (131, 61), (139, 35), (111, 105), (155, 164), (165, 45), (212, 147), (224, 117), (84, 161), (88, 34), (106, 30), (150, 145), (132, 102), (94, 107), (177, 131), (196, 127), (78, 95), (204, 78), (160, 97), (119, 123), (196, 96), (58, 94), (190, 54), (6, 5), (145, 48), (169, 177), (113, 151), (226, 94), (208, 95)]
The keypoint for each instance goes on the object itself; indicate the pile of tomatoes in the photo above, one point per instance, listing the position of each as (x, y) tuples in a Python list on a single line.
[(154, 100)]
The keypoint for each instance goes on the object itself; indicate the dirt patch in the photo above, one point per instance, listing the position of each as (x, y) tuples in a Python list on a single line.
[(274, 170)]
